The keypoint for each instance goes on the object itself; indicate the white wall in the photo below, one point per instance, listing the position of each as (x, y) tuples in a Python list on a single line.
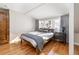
[(20, 23), (76, 36), (76, 23), (76, 17), (71, 29)]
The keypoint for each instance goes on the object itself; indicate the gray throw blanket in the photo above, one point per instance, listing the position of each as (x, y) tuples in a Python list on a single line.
[(37, 39)]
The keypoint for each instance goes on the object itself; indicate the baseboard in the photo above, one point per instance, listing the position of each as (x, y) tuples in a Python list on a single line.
[(76, 43)]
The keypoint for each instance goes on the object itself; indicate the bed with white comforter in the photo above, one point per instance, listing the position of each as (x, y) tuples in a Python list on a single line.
[(45, 36)]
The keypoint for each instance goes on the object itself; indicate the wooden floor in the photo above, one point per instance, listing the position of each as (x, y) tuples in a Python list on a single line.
[(52, 48), (76, 50)]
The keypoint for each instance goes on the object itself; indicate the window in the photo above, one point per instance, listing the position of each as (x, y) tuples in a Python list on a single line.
[(57, 24), (45, 24), (53, 23)]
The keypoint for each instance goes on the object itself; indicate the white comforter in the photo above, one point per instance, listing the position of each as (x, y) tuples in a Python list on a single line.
[(45, 37)]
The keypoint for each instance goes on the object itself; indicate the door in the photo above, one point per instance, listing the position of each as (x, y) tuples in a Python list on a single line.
[(3, 27)]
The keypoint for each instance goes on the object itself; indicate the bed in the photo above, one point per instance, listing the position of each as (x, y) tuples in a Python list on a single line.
[(37, 39)]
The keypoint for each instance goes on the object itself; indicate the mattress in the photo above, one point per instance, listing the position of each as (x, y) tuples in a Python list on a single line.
[(45, 37)]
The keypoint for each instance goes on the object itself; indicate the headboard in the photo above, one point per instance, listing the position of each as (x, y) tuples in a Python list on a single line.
[(45, 30)]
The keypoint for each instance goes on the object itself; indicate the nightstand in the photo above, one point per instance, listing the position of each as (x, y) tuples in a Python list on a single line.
[(61, 36)]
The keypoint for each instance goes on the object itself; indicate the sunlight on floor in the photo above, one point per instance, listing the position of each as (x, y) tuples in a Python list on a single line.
[(17, 39), (51, 52)]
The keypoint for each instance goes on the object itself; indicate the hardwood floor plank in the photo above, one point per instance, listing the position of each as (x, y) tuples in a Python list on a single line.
[(52, 48), (76, 48)]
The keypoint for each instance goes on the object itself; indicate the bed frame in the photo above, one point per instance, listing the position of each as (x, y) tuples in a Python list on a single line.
[(37, 50)]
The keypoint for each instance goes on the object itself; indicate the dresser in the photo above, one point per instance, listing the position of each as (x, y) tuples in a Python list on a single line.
[(61, 36), (4, 26)]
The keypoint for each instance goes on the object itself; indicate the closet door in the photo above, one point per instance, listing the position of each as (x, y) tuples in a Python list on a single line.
[(4, 27)]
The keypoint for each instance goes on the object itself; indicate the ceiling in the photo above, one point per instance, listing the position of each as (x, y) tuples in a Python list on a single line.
[(50, 10), (38, 10)]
